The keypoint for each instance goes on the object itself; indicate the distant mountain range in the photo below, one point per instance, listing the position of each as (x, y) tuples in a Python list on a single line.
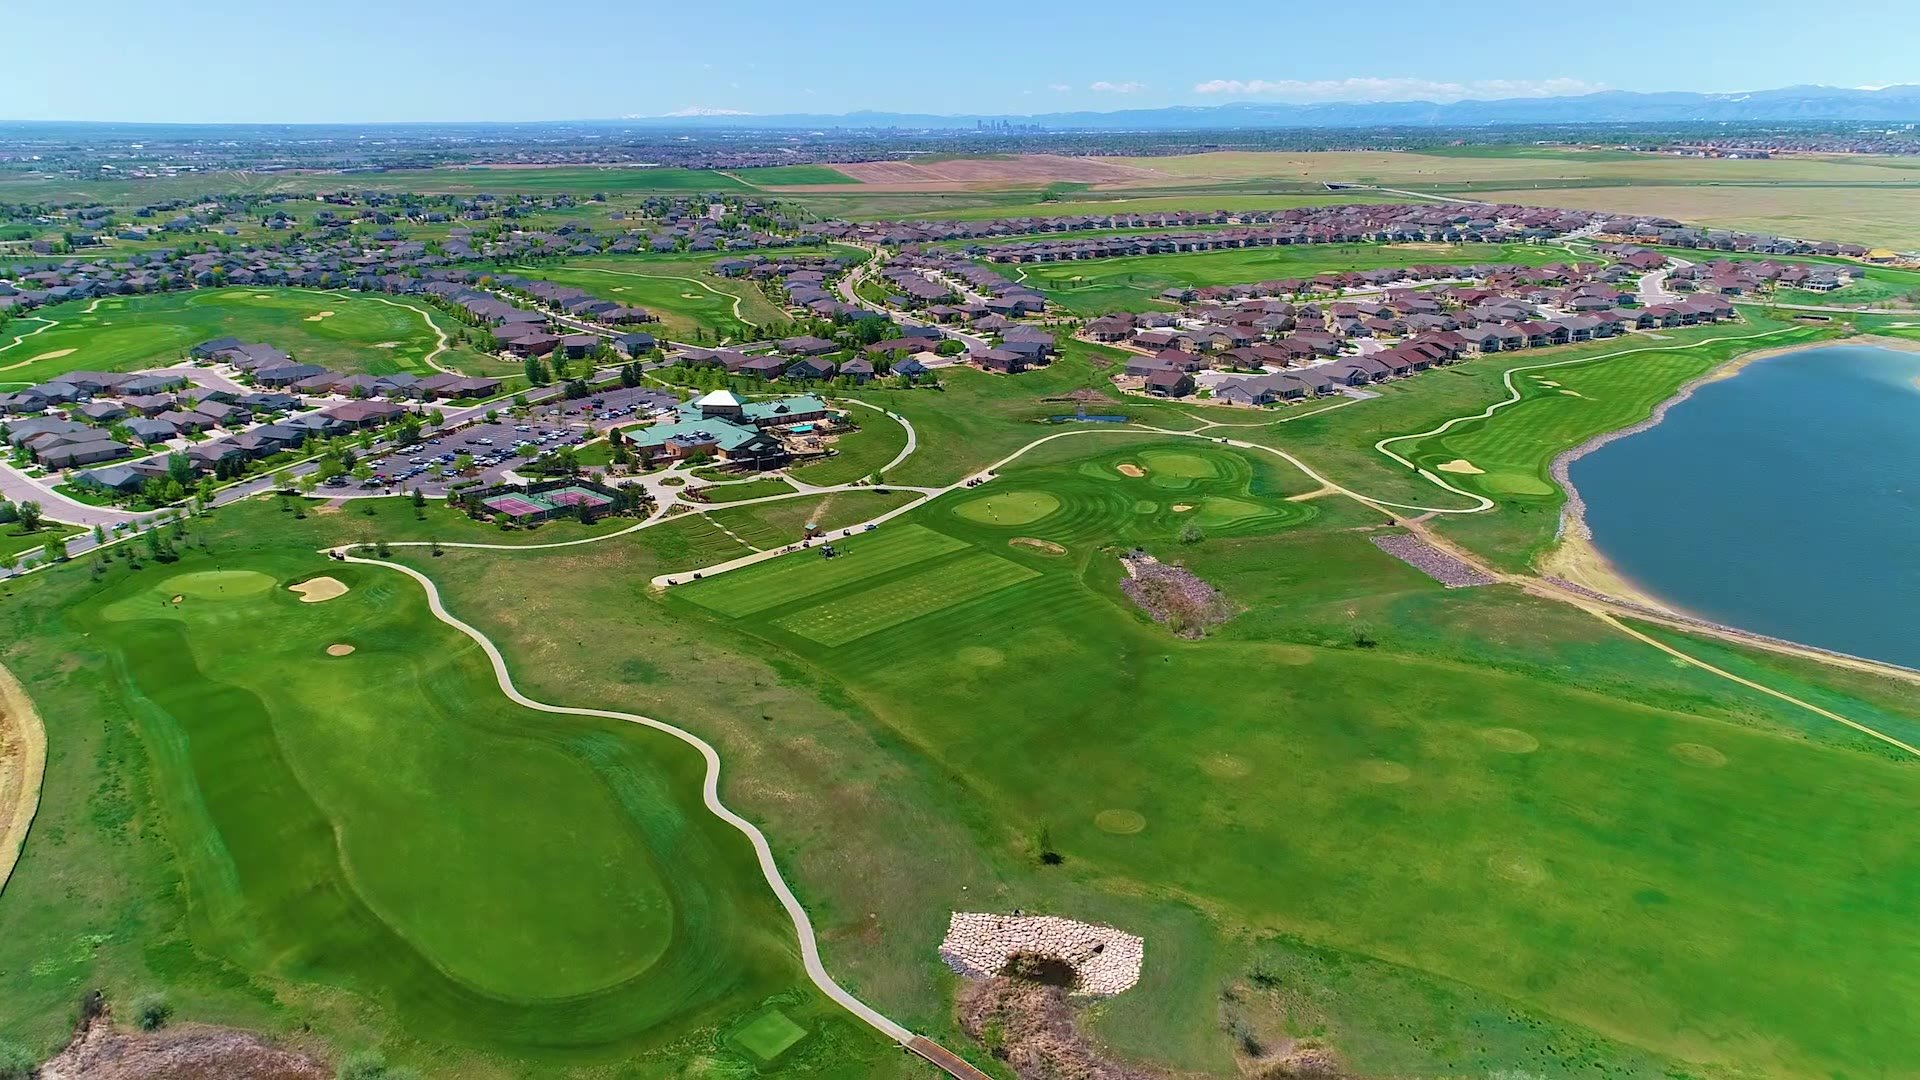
[(1794, 104)]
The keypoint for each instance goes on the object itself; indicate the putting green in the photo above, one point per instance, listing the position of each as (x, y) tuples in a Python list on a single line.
[(222, 585), (1172, 468), (218, 584), (1220, 510), (769, 1034), (1009, 508), (1516, 483)]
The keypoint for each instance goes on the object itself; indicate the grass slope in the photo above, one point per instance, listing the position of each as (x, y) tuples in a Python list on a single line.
[(689, 300), (289, 794), (363, 334)]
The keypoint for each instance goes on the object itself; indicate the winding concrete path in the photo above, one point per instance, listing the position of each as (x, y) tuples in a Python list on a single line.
[(709, 793)]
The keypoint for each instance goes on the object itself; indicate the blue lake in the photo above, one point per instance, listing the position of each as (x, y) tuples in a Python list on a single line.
[(1784, 500)]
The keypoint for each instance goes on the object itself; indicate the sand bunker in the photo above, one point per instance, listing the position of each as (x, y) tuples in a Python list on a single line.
[(339, 650), (1105, 961), (1181, 508), (1044, 547), (322, 315), (54, 355), (1462, 466), (386, 344), (1573, 393), (318, 590), (1130, 469)]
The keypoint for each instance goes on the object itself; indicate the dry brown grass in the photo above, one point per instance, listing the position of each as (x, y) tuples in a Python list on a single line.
[(1879, 217)]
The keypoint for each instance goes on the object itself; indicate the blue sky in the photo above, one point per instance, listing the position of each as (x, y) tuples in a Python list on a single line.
[(398, 60)]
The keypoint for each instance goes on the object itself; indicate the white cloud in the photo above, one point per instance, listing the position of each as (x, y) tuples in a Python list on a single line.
[(1104, 87), (1059, 87), (706, 110), (1377, 88)]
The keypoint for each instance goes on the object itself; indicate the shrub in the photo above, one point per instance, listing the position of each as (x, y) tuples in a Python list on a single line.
[(15, 1062), (1191, 533), (151, 1012)]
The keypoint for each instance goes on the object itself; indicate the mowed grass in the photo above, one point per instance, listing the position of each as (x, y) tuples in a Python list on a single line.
[(690, 301), (781, 581), (1097, 286), (857, 454), (1499, 795), (844, 618), (580, 907), (124, 333), (1560, 407)]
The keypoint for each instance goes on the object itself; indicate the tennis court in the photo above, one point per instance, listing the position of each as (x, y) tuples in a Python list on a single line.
[(545, 503)]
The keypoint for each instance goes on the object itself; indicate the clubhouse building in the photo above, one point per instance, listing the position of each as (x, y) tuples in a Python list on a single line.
[(744, 434)]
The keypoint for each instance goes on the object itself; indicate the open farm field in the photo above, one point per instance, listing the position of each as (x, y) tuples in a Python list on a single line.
[(790, 175), (457, 180), (287, 762), (1098, 286), (687, 298), (345, 332), (1879, 215), (1537, 165)]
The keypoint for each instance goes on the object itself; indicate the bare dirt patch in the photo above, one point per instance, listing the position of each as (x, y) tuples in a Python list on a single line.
[(23, 761), (319, 590), (1044, 547), (340, 650), (1030, 1026), (1461, 466), (1128, 468), (54, 355), (99, 1051)]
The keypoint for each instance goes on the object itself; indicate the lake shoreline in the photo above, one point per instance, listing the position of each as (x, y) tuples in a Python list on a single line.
[(1574, 556), (1576, 560)]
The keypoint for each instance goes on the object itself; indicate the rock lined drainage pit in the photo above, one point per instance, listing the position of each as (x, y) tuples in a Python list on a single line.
[(1105, 961)]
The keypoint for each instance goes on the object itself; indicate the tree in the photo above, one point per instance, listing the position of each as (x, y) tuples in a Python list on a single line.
[(55, 549), (536, 371), (28, 515), (362, 472), (179, 469)]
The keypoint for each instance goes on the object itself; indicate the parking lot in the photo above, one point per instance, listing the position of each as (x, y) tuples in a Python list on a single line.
[(494, 446), (614, 407)]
